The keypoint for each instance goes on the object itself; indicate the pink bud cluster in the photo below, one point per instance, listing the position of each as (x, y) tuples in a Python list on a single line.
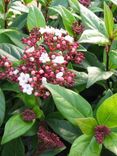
[(5, 67), (77, 28), (28, 115), (45, 62), (101, 132), (56, 40), (85, 2), (48, 140)]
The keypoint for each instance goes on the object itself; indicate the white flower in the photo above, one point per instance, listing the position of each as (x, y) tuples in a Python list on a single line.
[(69, 39), (58, 33), (27, 88), (59, 75), (30, 50), (44, 58), (23, 78), (63, 31), (59, 59), (44, 80), (16, 71)]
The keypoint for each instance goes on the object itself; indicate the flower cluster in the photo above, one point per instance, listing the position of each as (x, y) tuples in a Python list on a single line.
[(101, 132), (28, 115), (48, 140), (77, 28), (85, 2), (45, 59)]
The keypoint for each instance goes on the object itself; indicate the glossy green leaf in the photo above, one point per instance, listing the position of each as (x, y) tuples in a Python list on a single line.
[(32, 102), (64, 129), (2, 107), (27, 1), (14, 148), (106, 113), (35, 18), (19, 21), (53, 152), (96, 74), (110, 142), (12, 50), (91, 21), (93, 37), (114, 1), (85, 145), (70, 104), (113, 59), (87, 125), (67, 17), (108, 18), (14, 128)]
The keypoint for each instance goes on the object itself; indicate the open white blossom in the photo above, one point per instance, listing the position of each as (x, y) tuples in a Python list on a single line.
[(27, 88), (69, 39), (23, 78), (58, 59), (59, 75), (44, 80), (57, 32), (30, 50), (44, 58)]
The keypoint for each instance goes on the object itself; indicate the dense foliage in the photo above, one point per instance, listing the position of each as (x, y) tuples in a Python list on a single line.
[(58, 77)]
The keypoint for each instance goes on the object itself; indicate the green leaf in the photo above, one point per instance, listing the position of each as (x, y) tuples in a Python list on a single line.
[(110, 142), (85, 145), (67, 17), (87, 125), (20, 21), (32, 102), (91, 21), (53, 152), (27, 1), (12, 50), (70, 104), (106, 113), (10, 57), (14, 148), (108, 18), (114, 1), (93, 37), (113, 59), (64, 129), (2, 107), (15, 127), (91, 60), (96, 74), (35, 18)]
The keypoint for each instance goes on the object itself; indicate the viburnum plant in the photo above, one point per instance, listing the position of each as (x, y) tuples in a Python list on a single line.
[(58, 77)]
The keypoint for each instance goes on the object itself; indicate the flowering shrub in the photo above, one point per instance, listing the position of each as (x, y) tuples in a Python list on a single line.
[(58, 78)]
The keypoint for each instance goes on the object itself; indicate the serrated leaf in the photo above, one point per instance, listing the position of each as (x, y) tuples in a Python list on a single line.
[(106, 113)]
